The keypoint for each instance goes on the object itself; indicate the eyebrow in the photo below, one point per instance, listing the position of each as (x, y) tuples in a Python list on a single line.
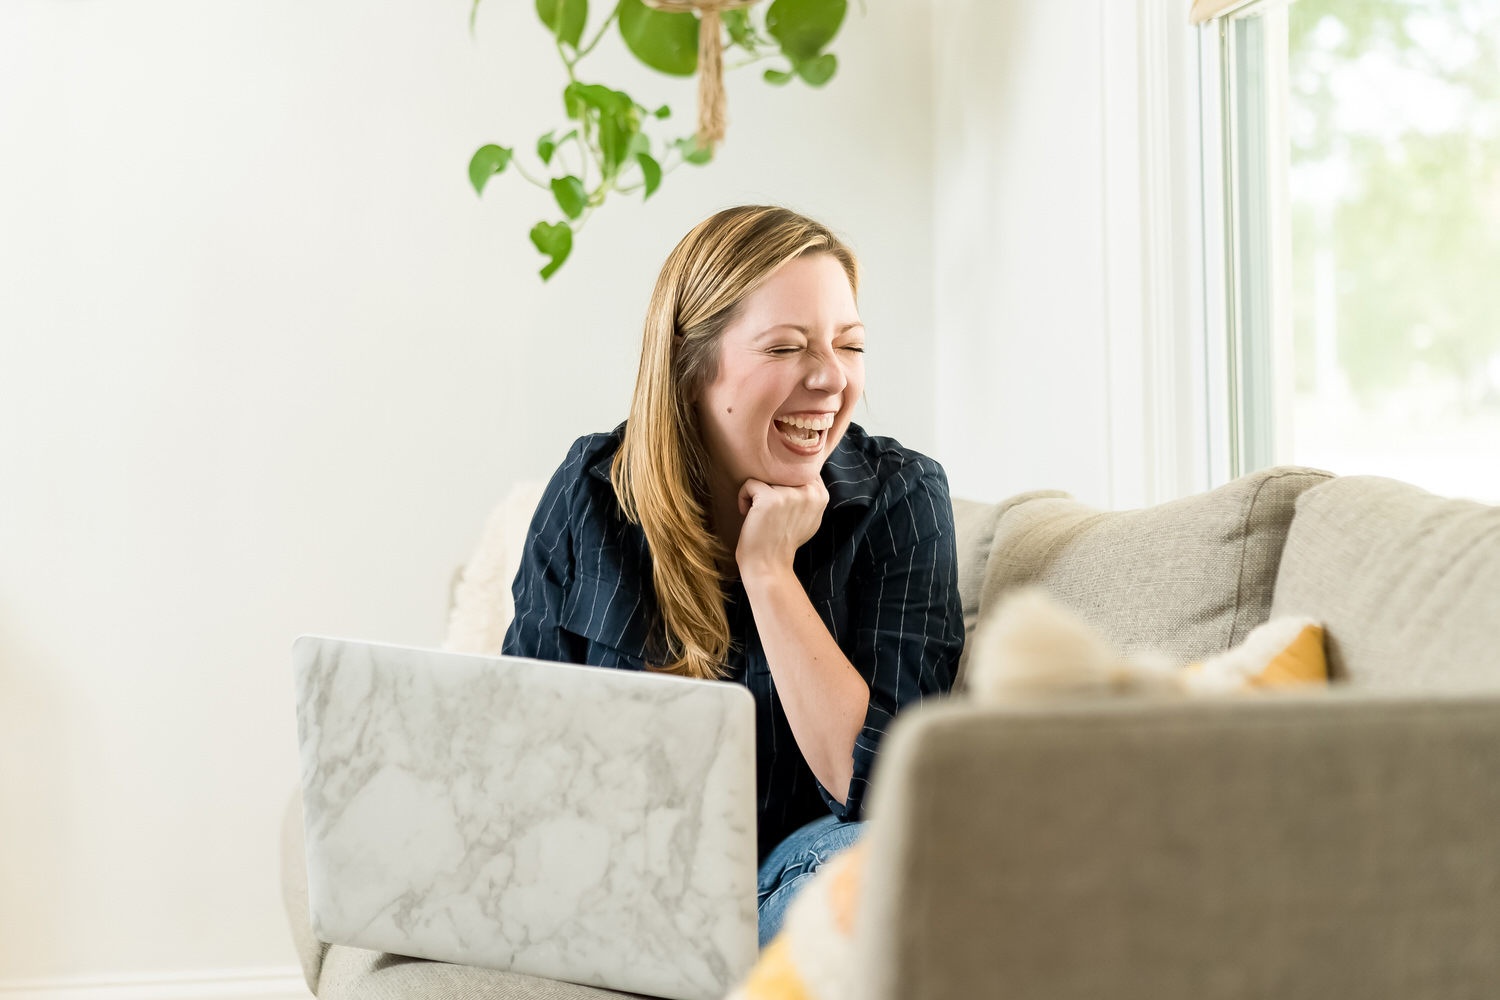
[(804, 330)]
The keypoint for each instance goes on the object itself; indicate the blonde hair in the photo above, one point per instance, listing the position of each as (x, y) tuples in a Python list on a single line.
[(661, 472)]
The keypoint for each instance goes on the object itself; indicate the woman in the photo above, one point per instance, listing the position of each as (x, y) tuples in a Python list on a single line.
[(739, 527)]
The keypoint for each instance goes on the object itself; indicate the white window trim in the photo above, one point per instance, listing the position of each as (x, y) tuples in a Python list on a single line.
[(1160, 407), (1174, 401), (1236, 444), (1221, 455)]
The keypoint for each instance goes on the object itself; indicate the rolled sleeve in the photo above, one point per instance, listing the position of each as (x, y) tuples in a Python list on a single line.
[(909, 618)]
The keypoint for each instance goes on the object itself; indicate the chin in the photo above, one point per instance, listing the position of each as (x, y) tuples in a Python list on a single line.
[(796, 480), (792, 473)]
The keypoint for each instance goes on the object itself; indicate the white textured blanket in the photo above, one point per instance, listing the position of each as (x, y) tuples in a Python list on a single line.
[(482, 603)]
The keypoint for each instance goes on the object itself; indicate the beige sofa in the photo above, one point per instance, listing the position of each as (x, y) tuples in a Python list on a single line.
[(1342, 844)]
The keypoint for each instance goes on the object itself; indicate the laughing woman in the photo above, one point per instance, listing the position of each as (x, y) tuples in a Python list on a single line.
[(738, 526)]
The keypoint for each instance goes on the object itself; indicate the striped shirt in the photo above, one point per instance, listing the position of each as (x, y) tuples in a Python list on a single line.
[(882, 573)]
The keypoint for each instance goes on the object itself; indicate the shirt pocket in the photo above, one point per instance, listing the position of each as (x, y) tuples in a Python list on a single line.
[(611, 615)]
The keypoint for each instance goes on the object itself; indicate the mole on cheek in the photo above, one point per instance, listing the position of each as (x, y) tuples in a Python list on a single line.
[(728, 409)]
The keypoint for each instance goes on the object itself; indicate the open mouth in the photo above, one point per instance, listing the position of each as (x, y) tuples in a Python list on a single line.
[(804, 434)]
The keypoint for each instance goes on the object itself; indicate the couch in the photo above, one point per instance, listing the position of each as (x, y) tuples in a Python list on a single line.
[(1335, 844)]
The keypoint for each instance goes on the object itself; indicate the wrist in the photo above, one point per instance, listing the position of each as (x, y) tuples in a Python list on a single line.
[(758, 575)]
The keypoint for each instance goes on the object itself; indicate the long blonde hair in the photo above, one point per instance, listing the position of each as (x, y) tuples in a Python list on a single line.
[(661, 472)]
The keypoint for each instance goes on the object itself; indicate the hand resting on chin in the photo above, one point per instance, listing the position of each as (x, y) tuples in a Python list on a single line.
[(778, 521)]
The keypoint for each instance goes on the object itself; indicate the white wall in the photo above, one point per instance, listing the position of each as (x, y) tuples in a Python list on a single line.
[(1019, 247), (1069, 338), (266, 362)]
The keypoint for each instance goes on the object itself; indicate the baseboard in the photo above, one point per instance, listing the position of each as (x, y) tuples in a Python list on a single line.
[(276, 982)]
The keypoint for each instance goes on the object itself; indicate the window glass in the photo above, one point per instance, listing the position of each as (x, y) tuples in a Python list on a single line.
[(1394, 126)]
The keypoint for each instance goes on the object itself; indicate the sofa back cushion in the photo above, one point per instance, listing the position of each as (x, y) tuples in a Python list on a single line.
[(1407, 584), (974, 523), (1189, 578)]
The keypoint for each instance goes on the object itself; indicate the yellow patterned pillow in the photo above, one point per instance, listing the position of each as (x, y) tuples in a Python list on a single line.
[(1283, 652), (1032, 646)]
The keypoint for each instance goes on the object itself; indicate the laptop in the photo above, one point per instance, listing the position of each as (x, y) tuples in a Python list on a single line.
[(576, 823)]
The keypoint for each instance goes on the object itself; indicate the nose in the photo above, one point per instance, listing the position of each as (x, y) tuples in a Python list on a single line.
[(825, 373)]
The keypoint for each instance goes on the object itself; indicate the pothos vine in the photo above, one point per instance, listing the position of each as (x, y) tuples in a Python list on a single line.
[(608, 150)]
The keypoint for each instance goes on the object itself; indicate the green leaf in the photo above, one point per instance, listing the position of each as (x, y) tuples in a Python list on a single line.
[(778, 77), (554, 239), (663, 112), (545, 147), (741, 31), (820, 70), (619, 124), (694, 153), (570, 195), (803, 27), (665, 42), (486, 163), (577, 96), (614, 143), (652, 172), (564, 18), (638, 144)]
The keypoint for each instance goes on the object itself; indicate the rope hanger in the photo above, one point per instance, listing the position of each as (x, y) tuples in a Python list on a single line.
[(712, 101)]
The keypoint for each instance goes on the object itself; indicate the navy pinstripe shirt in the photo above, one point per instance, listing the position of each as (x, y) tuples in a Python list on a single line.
[(882, 572)]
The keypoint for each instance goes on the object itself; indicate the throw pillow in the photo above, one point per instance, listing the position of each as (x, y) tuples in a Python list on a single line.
[(1033, 646)]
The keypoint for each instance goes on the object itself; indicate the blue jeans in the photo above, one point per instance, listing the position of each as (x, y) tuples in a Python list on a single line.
[(792, 862)]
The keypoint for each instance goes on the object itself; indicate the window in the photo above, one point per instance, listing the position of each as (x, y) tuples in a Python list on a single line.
[(1360, 155)]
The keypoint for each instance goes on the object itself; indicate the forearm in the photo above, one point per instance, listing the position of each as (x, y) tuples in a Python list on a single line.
[(824, 697)]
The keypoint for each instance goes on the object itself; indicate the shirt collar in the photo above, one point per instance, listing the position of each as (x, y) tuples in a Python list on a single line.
[(606, 460), (601, 468), (849, 474), (850, 477)]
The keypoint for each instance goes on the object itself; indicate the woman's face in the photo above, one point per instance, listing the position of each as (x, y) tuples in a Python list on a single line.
[(791, 367)]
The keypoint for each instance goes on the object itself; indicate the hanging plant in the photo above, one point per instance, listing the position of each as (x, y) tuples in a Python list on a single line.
[(606, 147)]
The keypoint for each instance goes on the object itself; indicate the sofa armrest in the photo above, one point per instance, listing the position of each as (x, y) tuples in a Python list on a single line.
[(1340, 844), (310, 951)]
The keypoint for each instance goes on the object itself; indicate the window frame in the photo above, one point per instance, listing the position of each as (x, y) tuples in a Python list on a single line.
[(1247, 253)]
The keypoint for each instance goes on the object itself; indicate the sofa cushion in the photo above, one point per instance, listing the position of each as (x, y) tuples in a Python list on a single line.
[(974, 523), (357, 974), (1189, 578), (1407, 584)]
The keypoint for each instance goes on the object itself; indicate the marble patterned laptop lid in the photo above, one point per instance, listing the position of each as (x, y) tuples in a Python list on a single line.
[(576, 823)]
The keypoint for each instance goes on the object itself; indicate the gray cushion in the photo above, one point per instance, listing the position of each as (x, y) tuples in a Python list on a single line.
[(1189, 578), (974, 524), (357, 974), (1406, 583)]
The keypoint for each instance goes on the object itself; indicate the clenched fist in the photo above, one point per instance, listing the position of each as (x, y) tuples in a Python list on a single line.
[(778, 521)]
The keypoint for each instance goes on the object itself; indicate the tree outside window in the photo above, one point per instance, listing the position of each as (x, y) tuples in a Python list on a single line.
[(1395, 184)]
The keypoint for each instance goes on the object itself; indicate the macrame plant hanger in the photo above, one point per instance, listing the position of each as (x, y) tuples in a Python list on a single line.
[(712, 103)]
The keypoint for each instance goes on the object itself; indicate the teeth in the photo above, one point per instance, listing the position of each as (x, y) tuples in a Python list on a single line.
[(799, 436), (809, 423)]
